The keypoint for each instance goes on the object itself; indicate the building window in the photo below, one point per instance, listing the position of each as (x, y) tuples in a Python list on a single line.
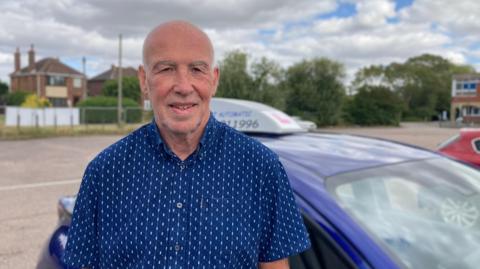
[(58, 102), (56, 81), (466, 87), (77, 82)]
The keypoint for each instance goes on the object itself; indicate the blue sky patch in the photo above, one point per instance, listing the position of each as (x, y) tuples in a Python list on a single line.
[(76, 63), (73, 62), (399, 4), (393, 20), (344, 10), (266, 32), (297, 24)]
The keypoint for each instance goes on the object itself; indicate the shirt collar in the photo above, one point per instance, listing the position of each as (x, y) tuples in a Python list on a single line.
[(205, 141)]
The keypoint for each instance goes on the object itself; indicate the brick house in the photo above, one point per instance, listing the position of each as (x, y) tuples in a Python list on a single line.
[(95, 84), (465, 98), (49, 78)]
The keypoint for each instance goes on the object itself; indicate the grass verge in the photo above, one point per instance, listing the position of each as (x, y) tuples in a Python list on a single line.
[(14, 133)]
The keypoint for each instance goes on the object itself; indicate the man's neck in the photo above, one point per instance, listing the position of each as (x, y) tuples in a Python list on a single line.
[(183, 145)]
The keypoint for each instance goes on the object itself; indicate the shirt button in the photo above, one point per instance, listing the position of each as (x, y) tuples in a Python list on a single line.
[(179, 205), (177, 247), (182, 167)]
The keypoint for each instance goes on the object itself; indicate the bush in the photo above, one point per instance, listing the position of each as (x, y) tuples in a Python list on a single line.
[(130, 88), (374, 105), (103, 109), (3, 88), (33, 101), (16, 98)]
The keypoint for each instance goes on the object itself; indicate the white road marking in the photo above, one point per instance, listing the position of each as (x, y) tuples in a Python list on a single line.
[(40, 184)]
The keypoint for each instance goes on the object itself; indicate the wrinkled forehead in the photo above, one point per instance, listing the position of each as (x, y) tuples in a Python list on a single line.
[(174, 39)]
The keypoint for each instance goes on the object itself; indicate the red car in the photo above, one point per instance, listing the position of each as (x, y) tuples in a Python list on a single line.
[(464, 146)]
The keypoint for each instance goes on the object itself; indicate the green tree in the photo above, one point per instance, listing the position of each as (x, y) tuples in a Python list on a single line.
[(130, 88), (259, 81), (267, 76), (3, 88), (374, 105), (235, 82), (315, 90), (423, 82)]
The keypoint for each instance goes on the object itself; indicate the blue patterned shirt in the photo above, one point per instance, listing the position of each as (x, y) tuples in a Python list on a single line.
[(228, 205)]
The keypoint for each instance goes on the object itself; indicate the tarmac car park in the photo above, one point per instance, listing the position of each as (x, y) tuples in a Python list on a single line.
[(367, 203)]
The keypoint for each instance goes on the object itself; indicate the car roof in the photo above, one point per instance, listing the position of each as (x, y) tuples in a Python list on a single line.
[(328, 154), (470, 132)]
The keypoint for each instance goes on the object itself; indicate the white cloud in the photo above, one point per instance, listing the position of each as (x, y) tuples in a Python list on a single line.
[(282, 30), (459, 18), (371, 13)]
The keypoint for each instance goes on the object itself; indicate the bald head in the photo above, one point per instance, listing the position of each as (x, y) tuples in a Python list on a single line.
[(180, 34)]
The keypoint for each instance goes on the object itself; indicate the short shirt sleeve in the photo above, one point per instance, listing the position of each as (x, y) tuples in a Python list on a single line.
[(82, 244), (283, 231)]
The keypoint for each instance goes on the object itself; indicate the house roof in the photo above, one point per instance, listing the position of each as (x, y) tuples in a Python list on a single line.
[(112, 73), (466, 76), (48, 65)]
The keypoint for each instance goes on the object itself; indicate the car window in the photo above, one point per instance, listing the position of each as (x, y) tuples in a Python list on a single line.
[(418, 211), (324, 253), (476, 145)]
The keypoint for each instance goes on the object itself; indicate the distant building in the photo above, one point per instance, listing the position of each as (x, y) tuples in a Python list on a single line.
[(96, 83), (466, 98), (49, 78)]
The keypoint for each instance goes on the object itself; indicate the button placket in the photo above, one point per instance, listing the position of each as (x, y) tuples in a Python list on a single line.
[(182, 166), (180, 206)]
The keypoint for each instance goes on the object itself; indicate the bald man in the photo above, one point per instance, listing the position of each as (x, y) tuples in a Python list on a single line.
[(184, 191)]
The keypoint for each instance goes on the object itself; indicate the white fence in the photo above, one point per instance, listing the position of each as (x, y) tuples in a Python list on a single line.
[(19, 116)]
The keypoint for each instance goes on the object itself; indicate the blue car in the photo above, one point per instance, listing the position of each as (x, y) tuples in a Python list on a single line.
[(367, 203)]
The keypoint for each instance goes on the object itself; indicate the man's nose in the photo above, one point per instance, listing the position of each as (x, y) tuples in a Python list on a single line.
[(183, 84)]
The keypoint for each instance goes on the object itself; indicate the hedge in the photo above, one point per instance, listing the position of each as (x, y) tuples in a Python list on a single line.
[(103, 109), (16, 98)]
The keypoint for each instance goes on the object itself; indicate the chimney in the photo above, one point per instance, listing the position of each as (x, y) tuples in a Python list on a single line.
[(17, 60), (114, 72), (31, 58)]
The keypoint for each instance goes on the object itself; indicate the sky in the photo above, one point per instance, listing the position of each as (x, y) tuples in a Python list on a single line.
[(356, 33)]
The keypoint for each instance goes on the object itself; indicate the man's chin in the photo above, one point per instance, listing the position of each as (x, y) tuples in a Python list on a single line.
[(184, 128)]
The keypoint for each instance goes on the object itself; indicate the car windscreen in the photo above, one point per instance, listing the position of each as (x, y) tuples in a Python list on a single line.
[(426, 213)]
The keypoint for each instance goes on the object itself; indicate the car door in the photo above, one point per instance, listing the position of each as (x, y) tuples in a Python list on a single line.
[(324, 253)]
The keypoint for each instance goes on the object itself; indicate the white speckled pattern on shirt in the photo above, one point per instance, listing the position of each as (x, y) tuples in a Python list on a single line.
[(229, 205)]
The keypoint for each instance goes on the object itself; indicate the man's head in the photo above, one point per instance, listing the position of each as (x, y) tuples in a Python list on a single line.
[(178, 77)]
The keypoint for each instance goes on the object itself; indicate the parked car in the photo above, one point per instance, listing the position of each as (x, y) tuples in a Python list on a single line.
[(367, 203), (306, 124), (464, 146)]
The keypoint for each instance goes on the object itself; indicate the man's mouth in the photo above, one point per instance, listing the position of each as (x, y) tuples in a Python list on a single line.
[(182, 107)]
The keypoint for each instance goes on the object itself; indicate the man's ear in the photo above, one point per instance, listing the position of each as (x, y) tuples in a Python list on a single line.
[(142, 79), (216, 80)]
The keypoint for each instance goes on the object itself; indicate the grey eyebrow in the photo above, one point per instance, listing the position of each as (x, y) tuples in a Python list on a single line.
[(168, 63), (196, 63)]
